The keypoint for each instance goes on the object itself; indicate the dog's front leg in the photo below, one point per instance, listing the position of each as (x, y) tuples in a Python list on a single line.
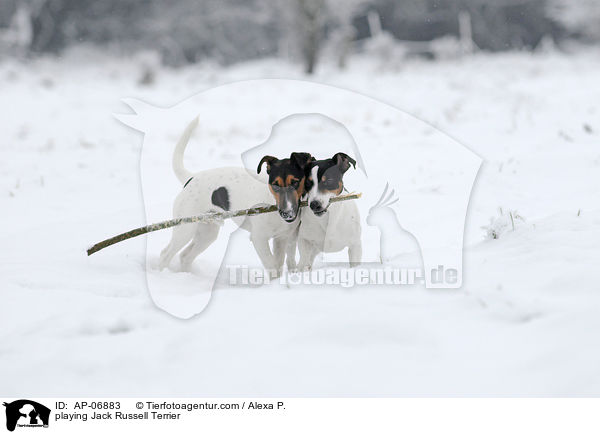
[(308, 251), (290, 255), (355, 254), (279, 249), (261, 245)]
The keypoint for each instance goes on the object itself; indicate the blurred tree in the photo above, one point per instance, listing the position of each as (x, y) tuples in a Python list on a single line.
[(224, 30), (343, 32), (183, 31), (311, 17), (234, 30), (17, 37), (7, 10), (581, 18), (494, 24), (510, 24)]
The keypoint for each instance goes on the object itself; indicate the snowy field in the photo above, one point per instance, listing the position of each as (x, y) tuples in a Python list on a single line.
[(525, 323)]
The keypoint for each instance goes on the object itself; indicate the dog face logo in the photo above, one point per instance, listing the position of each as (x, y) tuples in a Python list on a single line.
[(431, 174), (26, 413)]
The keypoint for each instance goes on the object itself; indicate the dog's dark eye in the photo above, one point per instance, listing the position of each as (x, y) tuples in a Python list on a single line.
[(295, 183)]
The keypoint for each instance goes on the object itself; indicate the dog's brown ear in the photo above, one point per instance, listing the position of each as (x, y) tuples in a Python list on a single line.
[(344, 161), (266, 159), (301, 159)]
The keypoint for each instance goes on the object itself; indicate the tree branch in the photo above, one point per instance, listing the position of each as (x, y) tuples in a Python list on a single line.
[(209, 217)]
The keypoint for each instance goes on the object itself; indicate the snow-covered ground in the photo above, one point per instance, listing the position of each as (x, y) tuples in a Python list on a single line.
[(525, 323)]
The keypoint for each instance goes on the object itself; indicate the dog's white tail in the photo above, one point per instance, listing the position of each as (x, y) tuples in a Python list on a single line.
[(180, 171)]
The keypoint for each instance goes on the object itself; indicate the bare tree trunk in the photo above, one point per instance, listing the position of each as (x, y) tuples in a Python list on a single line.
[(374, 21), (345, 45), (310, 23), (465, 32)]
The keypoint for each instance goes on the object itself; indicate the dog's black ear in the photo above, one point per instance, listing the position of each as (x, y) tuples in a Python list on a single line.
[(266, 159), (301, 159), (344, 161)]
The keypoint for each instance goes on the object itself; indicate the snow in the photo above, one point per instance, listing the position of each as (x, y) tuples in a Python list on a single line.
[(525, 322)]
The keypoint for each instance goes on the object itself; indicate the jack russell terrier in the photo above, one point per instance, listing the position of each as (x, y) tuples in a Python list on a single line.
[(328, 227), (232, 188)]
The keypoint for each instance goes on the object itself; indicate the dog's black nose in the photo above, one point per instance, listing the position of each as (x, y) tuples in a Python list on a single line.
[(315, 206), (286, 215)]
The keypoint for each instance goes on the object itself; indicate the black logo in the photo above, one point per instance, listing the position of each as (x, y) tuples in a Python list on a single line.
[(26, 413)]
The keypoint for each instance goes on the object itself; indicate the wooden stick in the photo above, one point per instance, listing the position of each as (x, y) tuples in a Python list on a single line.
[(209, 217)]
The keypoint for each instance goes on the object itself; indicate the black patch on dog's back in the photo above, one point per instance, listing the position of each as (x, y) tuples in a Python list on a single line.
[(188, 181), (220, 198)]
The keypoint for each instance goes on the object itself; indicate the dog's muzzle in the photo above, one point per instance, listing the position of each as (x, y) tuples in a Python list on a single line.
[(288, 204), (288, 216), (317, 208)]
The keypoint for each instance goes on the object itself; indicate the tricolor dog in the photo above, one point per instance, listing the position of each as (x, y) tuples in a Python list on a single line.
[(328, 227), (232, 188)]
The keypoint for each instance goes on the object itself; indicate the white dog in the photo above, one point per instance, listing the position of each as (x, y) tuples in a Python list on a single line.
[(232, 188), (328, 227)]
